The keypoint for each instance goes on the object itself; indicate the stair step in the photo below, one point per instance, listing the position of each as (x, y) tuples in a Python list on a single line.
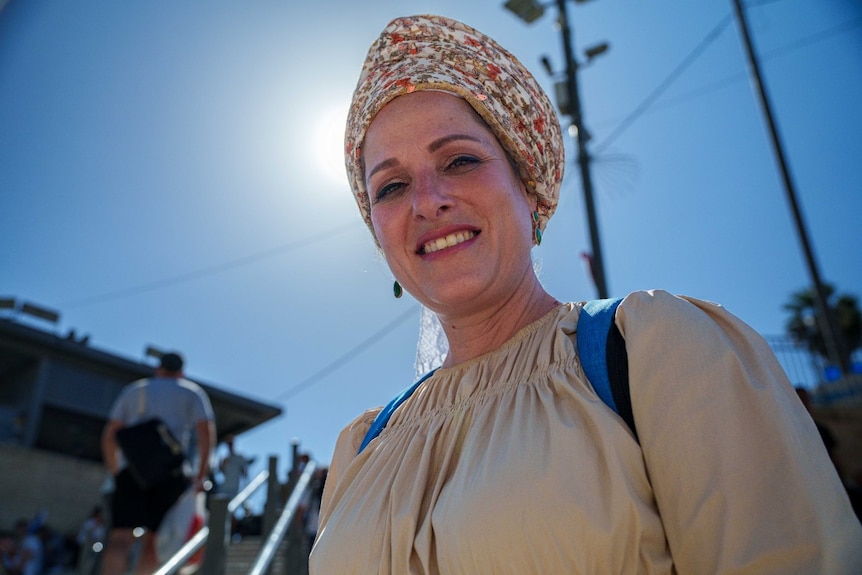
[(241, 556)]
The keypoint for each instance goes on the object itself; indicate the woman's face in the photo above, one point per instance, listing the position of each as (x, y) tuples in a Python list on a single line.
[(450, 213)]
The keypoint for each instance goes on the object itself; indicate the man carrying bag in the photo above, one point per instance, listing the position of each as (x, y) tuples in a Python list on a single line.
[(144, 445)]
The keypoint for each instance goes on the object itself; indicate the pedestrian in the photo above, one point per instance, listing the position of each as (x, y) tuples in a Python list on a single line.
[(183, 407), (507, 459), (91, 540), (26, 555), (234, 469)]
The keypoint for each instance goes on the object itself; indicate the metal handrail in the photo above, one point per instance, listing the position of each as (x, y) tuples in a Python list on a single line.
[(246, 492), (196, 543), (267, 552), (185, 553)]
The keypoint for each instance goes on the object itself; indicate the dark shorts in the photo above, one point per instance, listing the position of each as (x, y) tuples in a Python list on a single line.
[(132, 506)]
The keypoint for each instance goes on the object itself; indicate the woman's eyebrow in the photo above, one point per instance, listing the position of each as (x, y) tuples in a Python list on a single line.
[(388, 163), (440, 142)]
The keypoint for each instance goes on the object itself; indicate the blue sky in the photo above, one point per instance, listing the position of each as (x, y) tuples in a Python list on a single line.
[(170, 175)]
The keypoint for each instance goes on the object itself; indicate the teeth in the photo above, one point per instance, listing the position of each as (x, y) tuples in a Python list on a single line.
[(448, 241)]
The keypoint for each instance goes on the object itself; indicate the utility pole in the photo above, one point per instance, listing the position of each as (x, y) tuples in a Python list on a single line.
[(831, 336), (597, 266), (569, 104)]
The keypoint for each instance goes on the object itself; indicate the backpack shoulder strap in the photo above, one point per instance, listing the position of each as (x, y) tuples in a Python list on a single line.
[(383, 417), (602, 350)]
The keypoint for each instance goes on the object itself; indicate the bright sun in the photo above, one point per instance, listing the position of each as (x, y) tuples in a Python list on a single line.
[(329, 143)]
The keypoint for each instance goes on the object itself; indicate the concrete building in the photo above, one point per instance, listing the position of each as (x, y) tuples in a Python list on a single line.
[(55, 395)]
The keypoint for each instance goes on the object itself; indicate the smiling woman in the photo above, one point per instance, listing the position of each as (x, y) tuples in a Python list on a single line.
[(503, 459)]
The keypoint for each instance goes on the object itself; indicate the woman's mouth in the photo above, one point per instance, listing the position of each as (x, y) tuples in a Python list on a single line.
[(447, 241)]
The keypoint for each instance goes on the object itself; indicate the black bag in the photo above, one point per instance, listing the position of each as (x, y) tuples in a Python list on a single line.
[(153, 455)]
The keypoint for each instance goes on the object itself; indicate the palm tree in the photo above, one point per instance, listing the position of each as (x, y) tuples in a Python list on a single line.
[(804, 327)]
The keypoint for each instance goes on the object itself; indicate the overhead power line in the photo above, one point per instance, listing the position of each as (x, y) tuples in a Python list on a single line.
[(649, 101), (665, 84), (340, 361), (203, 272), (827, 34)]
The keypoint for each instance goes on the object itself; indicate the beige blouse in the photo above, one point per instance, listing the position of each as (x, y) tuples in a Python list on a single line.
[(510, 463)]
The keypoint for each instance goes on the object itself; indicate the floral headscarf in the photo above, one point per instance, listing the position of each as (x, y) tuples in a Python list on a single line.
[(435, 53)]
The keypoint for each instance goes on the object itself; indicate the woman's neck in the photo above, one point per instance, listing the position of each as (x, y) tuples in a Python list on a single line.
[(479, 332)]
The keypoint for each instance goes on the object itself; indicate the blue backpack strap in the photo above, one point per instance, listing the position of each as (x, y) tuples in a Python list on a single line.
[(383, 417), (602, 350)]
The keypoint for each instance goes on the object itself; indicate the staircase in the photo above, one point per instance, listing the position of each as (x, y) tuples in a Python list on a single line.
[(239, 557), (242, 554)]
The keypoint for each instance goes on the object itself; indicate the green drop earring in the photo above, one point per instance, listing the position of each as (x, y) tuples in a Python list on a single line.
[(537, 231), (396, 289)]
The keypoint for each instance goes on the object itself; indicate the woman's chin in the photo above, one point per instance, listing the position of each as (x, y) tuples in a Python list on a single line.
[(452, 298)]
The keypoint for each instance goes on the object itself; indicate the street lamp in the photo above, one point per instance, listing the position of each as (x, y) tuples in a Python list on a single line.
[(569, 103), (29, 308), (527, 10), (155, 352), (40, 312)]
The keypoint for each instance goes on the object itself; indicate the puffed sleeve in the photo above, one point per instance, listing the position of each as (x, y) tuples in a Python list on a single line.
[(346, 449), (742, 480)]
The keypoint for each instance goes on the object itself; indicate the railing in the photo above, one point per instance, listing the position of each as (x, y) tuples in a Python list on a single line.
[(185, 553), (215, 534), (247, 491), (220, 509), (275, 537)]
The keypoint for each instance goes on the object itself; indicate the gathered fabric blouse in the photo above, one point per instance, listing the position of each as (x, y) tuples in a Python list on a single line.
[(511, 464)]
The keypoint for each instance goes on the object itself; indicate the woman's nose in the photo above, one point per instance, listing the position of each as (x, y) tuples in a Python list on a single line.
[(430, 197)]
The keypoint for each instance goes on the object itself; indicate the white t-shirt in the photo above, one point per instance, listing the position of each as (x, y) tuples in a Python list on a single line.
[(180, 403)]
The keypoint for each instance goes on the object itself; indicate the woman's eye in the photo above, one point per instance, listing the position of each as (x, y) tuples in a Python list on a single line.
[(387, 191), (461, 161)]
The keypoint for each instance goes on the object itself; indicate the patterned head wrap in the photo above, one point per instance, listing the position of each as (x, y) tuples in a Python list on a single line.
[(435, 53)]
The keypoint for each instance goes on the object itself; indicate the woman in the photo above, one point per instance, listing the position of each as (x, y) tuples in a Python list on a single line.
[(504, 460)]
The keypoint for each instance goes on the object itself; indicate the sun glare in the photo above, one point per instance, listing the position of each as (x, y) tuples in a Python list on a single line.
[(329, 142)]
